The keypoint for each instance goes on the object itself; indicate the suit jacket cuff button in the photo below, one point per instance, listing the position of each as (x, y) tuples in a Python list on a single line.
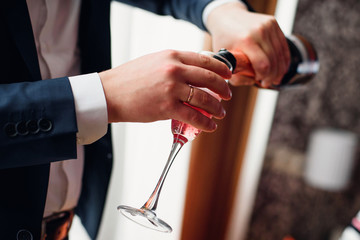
[(44, 124), (21, 128), (32, 126), (10, 130)]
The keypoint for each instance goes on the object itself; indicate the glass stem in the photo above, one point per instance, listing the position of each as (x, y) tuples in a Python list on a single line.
[(152, 202)]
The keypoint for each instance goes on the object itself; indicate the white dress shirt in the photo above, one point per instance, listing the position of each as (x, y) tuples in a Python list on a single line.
[(55, 26)]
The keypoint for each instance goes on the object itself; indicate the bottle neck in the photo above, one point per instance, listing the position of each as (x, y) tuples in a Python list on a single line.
[(303, 67)]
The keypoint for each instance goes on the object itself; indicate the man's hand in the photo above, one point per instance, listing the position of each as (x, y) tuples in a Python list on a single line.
[(155, 87), (259, 36)]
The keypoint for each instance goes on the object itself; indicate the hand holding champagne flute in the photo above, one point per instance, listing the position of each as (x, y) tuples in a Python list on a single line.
[(182, 133)]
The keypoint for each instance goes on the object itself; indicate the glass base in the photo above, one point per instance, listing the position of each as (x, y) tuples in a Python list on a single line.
[(145, 217)]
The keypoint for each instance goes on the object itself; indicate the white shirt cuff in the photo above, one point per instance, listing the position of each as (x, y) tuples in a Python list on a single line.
[(90, 107), (212, 5)]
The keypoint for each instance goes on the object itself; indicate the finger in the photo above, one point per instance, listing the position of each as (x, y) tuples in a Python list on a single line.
[(258, 58), (271, 48), (206, 104), (280, 50), (202, 101), (193, 117), (206, 62), (203, 78)]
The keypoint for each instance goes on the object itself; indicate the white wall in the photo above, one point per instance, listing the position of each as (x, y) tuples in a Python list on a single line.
[(141, 149)]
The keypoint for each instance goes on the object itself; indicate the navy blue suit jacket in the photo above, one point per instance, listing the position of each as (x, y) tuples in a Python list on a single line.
[(38, 121)]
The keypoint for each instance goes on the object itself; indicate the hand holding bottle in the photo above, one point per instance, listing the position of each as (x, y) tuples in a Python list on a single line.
[(258, 36)]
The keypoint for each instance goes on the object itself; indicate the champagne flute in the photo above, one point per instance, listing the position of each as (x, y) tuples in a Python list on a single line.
[(182, 133)]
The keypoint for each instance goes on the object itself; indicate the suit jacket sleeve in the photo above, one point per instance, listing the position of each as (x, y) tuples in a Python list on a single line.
[(31, 129), (37, 118), (188, 10)]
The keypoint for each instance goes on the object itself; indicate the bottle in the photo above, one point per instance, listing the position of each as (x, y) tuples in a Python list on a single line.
[(303, 66), (352, 231)]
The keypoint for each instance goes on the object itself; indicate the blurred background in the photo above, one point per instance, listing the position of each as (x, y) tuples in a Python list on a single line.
[(286, 204)]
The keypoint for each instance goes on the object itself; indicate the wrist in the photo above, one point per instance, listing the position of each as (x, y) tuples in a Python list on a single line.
[(104, 77), (216, 10)]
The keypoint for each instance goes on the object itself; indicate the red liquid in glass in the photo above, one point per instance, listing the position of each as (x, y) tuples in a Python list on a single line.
[(184, 132)]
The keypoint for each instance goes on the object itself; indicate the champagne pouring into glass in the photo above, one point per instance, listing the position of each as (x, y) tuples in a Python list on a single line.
[(182, 133), (304, 65)]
